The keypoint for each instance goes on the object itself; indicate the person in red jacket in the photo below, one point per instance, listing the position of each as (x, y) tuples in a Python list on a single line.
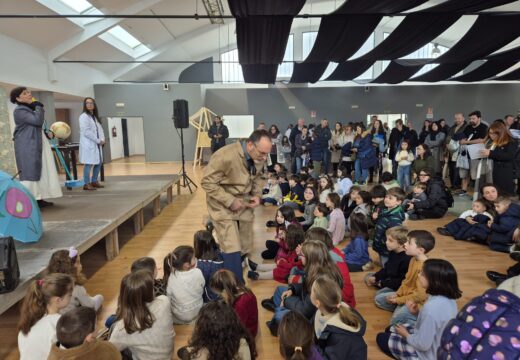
[(235, 294), (281, 269)]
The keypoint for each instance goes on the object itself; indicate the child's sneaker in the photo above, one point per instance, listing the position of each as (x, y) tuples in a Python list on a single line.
[(368, 266)]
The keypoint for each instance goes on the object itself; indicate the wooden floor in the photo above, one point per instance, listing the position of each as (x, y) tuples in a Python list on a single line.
[(176, 225)]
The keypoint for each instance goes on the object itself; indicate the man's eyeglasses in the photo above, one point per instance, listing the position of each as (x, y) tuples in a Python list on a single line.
[(424, 175), (260, 152)]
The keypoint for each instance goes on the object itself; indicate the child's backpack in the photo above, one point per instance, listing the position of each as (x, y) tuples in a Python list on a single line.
[(9, 270), (449, 197)]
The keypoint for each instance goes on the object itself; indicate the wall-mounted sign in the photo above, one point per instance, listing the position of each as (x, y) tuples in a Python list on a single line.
[(429, 113), (120, 104), (313, 113)]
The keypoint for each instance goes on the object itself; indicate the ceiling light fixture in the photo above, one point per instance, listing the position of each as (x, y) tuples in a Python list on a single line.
[(215, 10), (436, 51)]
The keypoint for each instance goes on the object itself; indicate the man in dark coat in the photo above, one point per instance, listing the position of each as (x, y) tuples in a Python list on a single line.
[(324, 134), (292, 139), (218, 133)]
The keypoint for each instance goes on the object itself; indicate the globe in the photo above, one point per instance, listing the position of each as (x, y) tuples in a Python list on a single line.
[(61, 130)]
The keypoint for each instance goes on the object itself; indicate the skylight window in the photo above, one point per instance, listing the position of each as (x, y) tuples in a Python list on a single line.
[(78, 5), (124, 36)]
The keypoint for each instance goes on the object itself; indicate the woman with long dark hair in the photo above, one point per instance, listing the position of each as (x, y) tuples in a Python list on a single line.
[(502, 152), (365, 153), (424, 131), (435, 140), (276, 138), (91, 141), (379, 141), (423, 160)]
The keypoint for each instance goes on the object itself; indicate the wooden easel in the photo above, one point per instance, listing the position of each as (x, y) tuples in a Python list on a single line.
[(201, 121)]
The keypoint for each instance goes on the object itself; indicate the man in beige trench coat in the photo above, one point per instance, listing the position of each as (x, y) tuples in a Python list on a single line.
[(233, 188)]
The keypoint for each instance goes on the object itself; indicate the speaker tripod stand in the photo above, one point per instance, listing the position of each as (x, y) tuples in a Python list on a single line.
[(185, 179)]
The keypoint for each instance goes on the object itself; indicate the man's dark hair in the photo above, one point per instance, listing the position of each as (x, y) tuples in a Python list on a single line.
[(477, 113), (508, 115), (74, 326), (257, 135)]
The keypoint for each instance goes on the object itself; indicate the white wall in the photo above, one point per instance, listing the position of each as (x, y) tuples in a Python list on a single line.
[(24, 65), (135, 137)]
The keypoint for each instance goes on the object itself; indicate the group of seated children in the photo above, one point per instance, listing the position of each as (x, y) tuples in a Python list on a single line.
[(147, 309), (491, 224)]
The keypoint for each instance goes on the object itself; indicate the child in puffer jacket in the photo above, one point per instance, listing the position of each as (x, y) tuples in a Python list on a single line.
[(485, 328)]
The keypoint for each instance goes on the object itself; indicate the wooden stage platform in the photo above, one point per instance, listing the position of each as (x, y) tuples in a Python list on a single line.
[(81, 219)]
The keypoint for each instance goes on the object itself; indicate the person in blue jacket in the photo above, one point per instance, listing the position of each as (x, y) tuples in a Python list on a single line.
[(365, 154)]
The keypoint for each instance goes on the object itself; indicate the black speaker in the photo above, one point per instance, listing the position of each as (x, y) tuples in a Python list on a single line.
[(181, 117)]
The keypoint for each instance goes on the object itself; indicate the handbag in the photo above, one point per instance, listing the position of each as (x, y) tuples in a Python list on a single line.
[(9, 270), (462, 160)]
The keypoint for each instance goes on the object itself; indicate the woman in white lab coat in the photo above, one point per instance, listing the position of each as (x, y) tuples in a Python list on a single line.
[(91, 141)]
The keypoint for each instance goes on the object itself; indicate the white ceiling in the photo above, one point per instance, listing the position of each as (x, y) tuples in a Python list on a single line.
[(167, 38)]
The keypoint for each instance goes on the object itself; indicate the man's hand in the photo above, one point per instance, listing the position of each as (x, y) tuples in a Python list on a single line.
[(253, 202), (237, 205)]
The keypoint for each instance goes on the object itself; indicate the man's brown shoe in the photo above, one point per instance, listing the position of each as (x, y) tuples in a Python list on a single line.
[(88, 187), (97, 185)]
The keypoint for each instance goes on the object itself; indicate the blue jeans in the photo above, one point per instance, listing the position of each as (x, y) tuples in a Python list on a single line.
[(361, 175), (403, 176), (279, 311), (380, 299), (298, 164), (86, 173), (326, 154), (402, 316)]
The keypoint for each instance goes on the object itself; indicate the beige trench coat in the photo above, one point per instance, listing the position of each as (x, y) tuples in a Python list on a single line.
[(226, 178)]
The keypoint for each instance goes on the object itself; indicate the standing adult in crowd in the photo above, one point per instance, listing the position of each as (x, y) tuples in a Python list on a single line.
[(261, 126), (436, 203), (510, 121), (502, 152), (338, 140), (424, 131), (474, 133), (233, 185), (453, 148), (398, 134), (302, 142), (347, 161), (435, 141), (423, 160), (91, 141), (413, 138), (379, 141), (365, 153), (443, 127), (218, 133), (289, 130), (32, 150), (292, 139), (324, 135), (276, 139)]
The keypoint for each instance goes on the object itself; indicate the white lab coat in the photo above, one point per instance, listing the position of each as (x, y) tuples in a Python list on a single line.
[(90, 137)]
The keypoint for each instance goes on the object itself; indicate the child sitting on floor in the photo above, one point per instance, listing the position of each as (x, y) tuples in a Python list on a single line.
[(148, 263), (68, 262), (273, 194), (320, 217), (504, 224), (410, 294), (209, 260), (237, 295), (392, 216), (40, 313), (294, 198), (462, 229), (277, 247), (418, 195), (311, 199), (363, 205), (348, 203), (356, 252), (336, 225), (403, 341), (279, 271), (76, 333), (185, 284), (296, 338)]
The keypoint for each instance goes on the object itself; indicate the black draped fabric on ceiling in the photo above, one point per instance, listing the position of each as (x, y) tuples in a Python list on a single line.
[(350, 70), (262, 28), (488, 34), (415, 31), (511, 54), (513, 75), (441, 72), (340, 35), (396, 73), (467, 5), (485, 71)]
